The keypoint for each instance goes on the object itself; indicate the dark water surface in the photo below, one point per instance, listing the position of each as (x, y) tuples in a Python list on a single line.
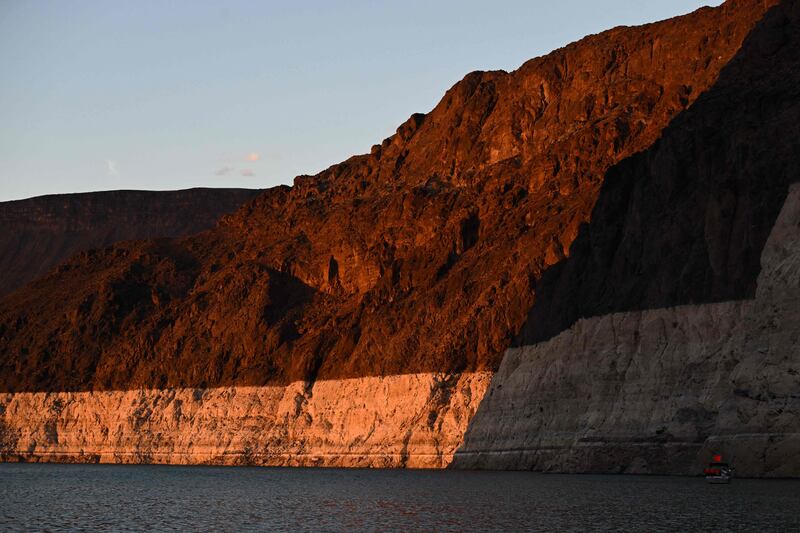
[(134, 498)]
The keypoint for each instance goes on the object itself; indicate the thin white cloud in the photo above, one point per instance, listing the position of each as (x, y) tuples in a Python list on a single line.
[(227, 170), (111, 168)]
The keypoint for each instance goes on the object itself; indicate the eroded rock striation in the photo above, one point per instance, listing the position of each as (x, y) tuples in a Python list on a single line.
[(356, 317), (410, 420)]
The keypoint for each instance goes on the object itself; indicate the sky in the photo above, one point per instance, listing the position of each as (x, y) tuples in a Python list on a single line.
[(103, 95)]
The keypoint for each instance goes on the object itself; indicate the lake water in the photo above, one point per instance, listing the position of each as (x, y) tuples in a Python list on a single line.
[(132, 498)]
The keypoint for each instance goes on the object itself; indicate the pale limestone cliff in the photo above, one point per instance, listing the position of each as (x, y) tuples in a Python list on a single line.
[(658, 391), (414, 420)]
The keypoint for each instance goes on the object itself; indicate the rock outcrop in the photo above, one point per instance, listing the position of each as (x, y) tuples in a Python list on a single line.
[(39, 233), (356, 317)]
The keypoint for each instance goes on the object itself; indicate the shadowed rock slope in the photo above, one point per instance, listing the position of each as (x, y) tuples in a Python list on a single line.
[(422, 256), (685, 221), (38, 233)]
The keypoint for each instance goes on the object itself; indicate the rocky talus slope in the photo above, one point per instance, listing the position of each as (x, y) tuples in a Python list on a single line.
[(357, 317), (39, 233)]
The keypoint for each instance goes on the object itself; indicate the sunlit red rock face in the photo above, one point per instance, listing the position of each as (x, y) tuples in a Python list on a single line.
[(420, 259), (421, 256), (38, 233)]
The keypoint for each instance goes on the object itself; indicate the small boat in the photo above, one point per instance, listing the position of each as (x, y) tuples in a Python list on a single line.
[(718, 472)]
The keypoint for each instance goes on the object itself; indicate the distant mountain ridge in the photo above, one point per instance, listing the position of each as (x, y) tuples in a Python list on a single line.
[(38, 233)]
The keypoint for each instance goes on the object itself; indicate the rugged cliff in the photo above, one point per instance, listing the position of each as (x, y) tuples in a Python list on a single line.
[(688, 326), (38, 233), (356, 317)]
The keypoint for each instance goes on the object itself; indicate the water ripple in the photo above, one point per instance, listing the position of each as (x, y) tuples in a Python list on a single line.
[(165, 498)]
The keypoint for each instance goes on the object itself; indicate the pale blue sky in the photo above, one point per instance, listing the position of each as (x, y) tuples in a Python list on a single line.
[(99, 95)]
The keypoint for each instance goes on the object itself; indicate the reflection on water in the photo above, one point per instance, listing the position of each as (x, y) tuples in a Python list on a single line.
[(132, 498)]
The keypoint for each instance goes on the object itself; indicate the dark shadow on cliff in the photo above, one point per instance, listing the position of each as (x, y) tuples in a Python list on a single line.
[(685, 221)]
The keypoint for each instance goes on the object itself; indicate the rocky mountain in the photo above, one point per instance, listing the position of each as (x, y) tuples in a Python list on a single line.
[(359, 317), (38, 233)]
